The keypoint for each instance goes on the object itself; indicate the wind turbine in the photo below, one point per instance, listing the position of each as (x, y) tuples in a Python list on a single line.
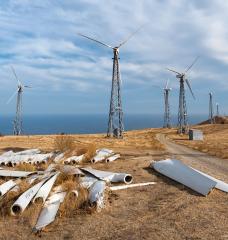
[(182, 110), (211, 111), (217, 109), (17, 123), (167, 106), (115, 122)]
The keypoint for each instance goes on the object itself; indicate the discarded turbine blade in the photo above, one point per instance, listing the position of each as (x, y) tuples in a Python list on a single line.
[(23, 201), (59, 157), (47, 216), (28, 152), (115, 188), (88, 180), (9, 173), (74, 159), (109, 176), (122, 177), (112, 158), (55, 197), (101, 154), (104, 44), (5, 187), (219, 184), (96, 194), (189, 86), (71, 170), (45, 189), (188, 68), (185, 175)]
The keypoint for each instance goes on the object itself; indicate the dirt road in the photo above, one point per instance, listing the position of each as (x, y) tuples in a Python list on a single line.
[(214, 166)]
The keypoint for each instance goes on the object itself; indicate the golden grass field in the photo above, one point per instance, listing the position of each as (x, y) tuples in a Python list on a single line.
[(167, 210), (138, 139)]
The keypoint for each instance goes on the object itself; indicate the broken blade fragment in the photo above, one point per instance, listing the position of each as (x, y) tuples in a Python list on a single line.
[(185, 175)]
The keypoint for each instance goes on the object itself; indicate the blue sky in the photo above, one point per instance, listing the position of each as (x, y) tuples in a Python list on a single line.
[(72, 75)]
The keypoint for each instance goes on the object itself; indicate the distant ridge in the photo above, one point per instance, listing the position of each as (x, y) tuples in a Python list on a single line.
[(218, 120)]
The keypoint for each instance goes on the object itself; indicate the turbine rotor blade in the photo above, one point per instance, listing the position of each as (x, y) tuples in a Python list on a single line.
[(10, 99), (26, 86), (15, 75), (92, 39), (189, 86), (188, 68), (171, 70), (130, 36)]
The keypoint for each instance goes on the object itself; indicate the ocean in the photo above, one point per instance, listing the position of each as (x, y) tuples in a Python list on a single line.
[(86, 123)]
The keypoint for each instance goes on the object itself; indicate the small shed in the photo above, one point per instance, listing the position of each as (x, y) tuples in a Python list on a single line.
[(195, 134)]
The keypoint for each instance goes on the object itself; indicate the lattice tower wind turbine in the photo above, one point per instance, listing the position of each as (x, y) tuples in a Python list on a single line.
[(115, 122), (182, 109), (17, 123)]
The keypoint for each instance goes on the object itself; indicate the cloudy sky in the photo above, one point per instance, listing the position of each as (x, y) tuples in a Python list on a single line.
[(70, 74)]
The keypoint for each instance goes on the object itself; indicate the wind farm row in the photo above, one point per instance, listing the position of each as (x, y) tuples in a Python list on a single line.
[(115, 119)]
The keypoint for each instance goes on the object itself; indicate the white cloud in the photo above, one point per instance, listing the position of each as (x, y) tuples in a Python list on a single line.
[(40, 39)]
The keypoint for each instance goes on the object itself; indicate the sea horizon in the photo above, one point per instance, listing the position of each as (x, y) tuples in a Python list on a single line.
[(86, 123)]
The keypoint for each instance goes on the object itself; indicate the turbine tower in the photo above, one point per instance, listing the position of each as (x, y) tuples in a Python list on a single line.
[(17, 123), (217, 109), (211, 112), (167, 107), (115, 122), (182, 110)]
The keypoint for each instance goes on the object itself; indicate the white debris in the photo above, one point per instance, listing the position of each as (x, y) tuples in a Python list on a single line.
[(45, 189), (109, 176), (112, 158), (219, 184), (71, 170), (115, 188), (49, 211), (23, 201), (74, 159), (96, 194), (59, 157), (10, 173), (102, 154), (179, 172), (5, 187), (28, 152), (88, 181)]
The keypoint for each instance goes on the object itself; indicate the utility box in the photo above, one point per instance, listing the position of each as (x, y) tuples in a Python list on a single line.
[(195, 134)]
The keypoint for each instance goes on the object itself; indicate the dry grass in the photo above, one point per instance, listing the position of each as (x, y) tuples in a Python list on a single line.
[(72, 202), (90, 153), (64, 143), (137, 139), (63, 177), (82, 150), (26, 167)]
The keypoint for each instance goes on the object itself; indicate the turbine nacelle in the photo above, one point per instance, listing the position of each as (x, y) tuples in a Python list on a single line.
[(182, 76)]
